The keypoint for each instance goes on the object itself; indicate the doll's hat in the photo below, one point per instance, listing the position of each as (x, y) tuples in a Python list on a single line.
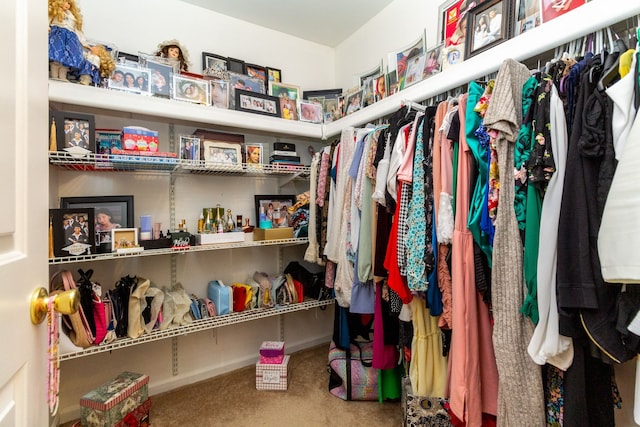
[(174, 42)]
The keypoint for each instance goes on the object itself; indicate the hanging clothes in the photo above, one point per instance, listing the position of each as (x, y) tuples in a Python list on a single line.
[(473, 380), (520, 397), (312, 253)]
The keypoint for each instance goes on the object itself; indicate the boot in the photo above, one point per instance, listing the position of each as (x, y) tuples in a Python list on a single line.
[(54, 69), (85, 79), (62, 74)]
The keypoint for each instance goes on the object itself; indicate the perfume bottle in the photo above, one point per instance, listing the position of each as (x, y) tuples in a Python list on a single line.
[(219, 226), (201, 223), (209, 220), (230, 224)]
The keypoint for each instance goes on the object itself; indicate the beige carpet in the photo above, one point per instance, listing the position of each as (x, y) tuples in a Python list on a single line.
[(232, 400)]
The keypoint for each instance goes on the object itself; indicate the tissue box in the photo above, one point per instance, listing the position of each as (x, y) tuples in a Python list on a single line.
[(110, 403), (272, 376), (273, 233), (140, 139)]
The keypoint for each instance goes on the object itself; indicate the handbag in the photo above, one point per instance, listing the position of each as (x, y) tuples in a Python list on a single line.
[(313, 283), (352, 376), (422, 411), (74, 325), (94, 307)]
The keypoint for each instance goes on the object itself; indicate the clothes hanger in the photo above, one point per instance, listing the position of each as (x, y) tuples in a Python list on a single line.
[(611, 66)]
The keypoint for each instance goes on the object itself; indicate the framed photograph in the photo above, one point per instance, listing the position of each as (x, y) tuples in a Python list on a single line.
[(275, 208), (211, 61), (325, 94), (128, 59), (366, 75), (73, 231), (255, 102), (369, 91), (256, 71), (488, 25), (107, 139), (125, 240), (235, 65), (415, 70), (280, 90), (404, 57), (244, 82), (253, 155), (392, 82), (551, 9), (130, 79), (219, 93), (310, 112), (330, 109), (75, 132), (353, 102), (288, 108), (432, 64), (527, 16), (189, 147), (340, 110), (274, 75), (380, 89), (161, 72), (452, 24), (110, 212), (221, 153), (191, 90)]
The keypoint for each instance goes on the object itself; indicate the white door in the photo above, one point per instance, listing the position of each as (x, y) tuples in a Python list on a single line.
[(24, 206)]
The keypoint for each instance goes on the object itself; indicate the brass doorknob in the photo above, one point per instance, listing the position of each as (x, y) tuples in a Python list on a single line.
[(66, 302)]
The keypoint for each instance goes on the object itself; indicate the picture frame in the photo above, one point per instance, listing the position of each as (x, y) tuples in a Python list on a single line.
[(451, 26), (127, 59), (288, 108), (392, 82), (401, 58), (125, 240), (75, 132), (527, 15), (488, 25), (257, 72), (221, 153), (274, 74), (108, 139), (220, 93), (253, 155), (189, 148), (369, 91), (259, 103), (415, 70), (72, 231), (161, 73), (109, 212), (273, 207), (433, 62), (330, 109), (324, 93), (310, 111), (130, 79), (211, 61), (279, 89), (380, 87), (245, 82), (353, 102), (551, 9), (362, 77), (235, 65), (197, 91)]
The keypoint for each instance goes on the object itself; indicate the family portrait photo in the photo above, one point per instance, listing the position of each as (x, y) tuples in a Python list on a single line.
[(130, 79)]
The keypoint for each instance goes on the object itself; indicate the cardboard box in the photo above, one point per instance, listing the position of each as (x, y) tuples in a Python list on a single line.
[(139, 138), (273, 233), (110, 403), (211, 238), (272, 376)]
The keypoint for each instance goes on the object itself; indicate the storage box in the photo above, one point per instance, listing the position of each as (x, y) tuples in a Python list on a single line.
[(272, 348), (284, 146), (273, 233), (139, 138), (111, 402), (137, 417), (272, 376), (229, 237)]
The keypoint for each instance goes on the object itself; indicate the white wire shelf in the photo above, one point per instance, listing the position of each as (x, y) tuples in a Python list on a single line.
[(167, 251), (118, 163), (197, 326)]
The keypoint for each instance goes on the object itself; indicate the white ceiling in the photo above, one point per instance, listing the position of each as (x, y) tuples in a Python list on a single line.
[(327, 22)]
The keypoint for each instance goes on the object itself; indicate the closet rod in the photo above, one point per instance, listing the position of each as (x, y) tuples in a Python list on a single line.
[(413, 105)]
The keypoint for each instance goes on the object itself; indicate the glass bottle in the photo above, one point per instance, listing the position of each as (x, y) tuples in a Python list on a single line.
[(230, 223)]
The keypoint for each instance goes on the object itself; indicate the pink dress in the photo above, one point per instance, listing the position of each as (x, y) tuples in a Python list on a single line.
[(473, 381)]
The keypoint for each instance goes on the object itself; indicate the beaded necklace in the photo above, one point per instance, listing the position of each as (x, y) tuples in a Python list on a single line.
[(53, 364)]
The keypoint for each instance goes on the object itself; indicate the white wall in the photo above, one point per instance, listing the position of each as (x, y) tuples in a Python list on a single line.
[(138, 26), (395, 27)]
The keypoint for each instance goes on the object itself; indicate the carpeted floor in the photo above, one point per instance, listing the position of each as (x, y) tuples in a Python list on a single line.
[(232, 400)]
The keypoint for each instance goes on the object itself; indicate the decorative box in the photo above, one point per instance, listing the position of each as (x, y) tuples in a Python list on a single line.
[(273, 233), (422, 411), (113, 401), (137, 417), (228, 237), (272, 376), (284, 146), (272, 348), (139, 138)]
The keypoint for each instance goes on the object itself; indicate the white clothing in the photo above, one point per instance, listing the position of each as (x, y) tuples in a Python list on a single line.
[(624, 110)]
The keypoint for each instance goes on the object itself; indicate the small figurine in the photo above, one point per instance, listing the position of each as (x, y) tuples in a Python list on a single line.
[(174, 50)]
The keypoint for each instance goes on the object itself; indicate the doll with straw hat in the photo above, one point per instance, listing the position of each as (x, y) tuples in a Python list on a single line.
[(172, 49)]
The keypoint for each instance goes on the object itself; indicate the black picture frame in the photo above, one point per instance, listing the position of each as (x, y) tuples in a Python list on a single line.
[(72, 231), (478, 39), (209, 59), (274, 75), (160, 77), (258, 103), (120, 209), (235, 65), (324, 93), (257, 72), (278, 201), (68, 124), (128, 59)]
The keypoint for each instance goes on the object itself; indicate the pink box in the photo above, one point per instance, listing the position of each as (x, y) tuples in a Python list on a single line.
[(272, 376), (272, 348), (271, 360)]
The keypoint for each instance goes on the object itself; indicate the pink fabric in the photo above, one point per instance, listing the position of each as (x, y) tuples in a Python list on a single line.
[(405, 173), (384, 356), (322, 178), (473, 381)]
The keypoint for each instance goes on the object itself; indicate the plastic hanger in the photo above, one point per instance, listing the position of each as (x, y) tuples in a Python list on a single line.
[(611, 65)]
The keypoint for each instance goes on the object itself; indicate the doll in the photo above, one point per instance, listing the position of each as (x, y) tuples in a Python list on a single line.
[(67, 43), (172, 49)]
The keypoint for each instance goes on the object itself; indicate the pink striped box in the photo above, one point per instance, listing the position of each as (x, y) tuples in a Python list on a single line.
[(111, 402), (271, 360), (271, 376)]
